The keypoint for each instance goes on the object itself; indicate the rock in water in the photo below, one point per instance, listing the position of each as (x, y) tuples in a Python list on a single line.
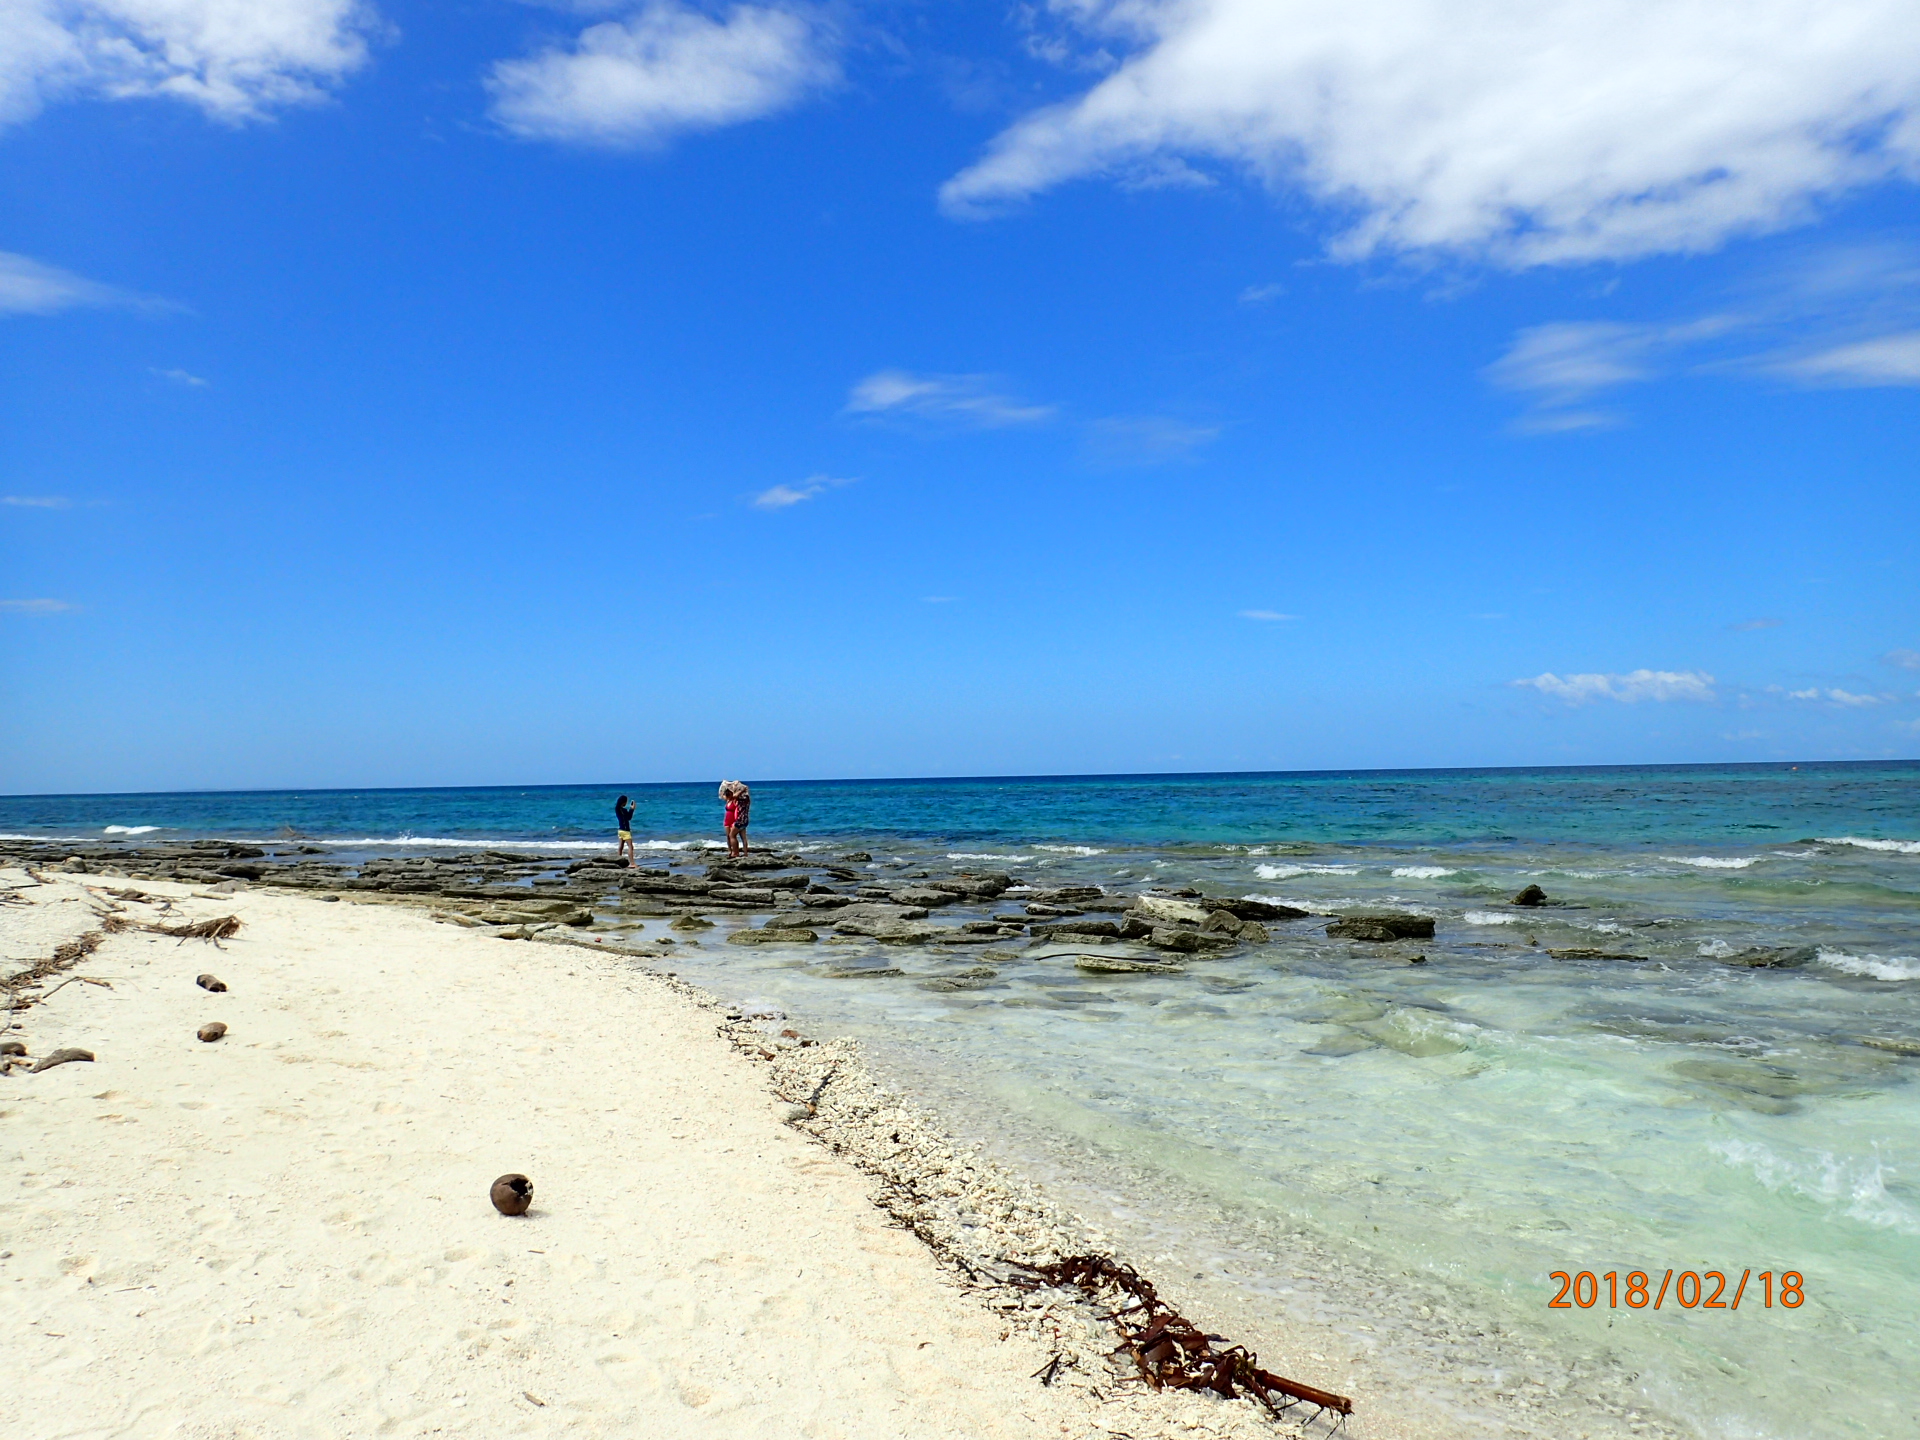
[(209, 982), (1532, 895), (61, 1057), (512, 1194), (1382, 927), (691, 922), (210, 1033)]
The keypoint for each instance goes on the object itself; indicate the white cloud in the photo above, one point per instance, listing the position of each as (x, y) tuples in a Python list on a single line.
[(1265, 615), (1883, 360), (1631, 688), (180, 377), (1765, 623), (38, 502), (1145, 439), (1904, 659), (962, 399), (782, 497), (1811, 694), (1842, 697), (1261, 294), (34, 607), (28, 287), (666, 69), (1528, 134), (235, 59)]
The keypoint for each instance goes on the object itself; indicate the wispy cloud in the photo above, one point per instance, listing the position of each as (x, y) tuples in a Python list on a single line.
[(1262, 294), (970, 400), (1265, 615), (1764, 623), (35, 607), (1883, 360), (28, 287), (1841, 697), (1630, 688), (1843, 316), (1902, 659), (180, 377), (38, 502), (1145, 439), (783, 497), (666, 69)]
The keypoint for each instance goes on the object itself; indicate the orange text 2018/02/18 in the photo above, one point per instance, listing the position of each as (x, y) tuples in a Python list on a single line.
[(1690, 1289)]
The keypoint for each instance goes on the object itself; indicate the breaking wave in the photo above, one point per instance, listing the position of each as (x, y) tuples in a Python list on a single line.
[(1874, 967)]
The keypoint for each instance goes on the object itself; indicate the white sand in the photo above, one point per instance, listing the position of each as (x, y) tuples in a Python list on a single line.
[(287, 1232)]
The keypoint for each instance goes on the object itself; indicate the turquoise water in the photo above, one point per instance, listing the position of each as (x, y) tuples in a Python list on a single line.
[(1354, 1140)]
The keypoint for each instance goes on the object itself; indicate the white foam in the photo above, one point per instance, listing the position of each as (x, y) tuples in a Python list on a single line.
[(1874, 967), (1488, 917), (1715, 949), (1287, 872), (1423, 872), (1897, 847), (129, 829), (1610, 927), (1071, 849), (972, 855), (1708, 862), (1858, 1188)]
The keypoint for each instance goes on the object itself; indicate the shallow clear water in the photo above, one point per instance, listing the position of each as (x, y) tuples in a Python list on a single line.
[(1438, 1136)]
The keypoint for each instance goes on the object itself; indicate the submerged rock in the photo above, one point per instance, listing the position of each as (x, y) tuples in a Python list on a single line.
[(1123, 965), (794, 936), (1782, 957), (1532, 895), (1391, 926), (1582, 952)]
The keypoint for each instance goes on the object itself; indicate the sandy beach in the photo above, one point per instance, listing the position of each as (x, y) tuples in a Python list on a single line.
[(287, 1232)]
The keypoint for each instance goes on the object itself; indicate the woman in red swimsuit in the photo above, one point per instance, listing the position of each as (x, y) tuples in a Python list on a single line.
[(739, 802)]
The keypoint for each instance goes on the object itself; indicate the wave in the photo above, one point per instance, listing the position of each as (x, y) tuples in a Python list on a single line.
[(1896, 847), (1708, 862), (1489, 917), (1287, 872), (1423, 872), (1858, 1188), (129, 829), (970, 855), (1874, 967), (1071, 849)]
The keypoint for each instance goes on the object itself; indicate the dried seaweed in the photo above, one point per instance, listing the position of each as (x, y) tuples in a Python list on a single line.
[(1170, 1351), (64, 958), (214, 931)]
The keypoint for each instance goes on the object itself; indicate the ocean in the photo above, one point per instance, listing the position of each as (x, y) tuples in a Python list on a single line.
[(1401, 1154)]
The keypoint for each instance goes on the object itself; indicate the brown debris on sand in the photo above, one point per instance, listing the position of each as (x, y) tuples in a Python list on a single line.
[(1170, 1351), (211, 982), (64, 958), (211, 1032), (224, 928), (61, 1057)]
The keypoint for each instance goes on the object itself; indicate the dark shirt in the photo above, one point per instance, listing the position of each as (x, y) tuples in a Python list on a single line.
[(623, 816)]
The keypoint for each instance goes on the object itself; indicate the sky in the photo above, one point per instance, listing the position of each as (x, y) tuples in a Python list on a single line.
[(398, 394)]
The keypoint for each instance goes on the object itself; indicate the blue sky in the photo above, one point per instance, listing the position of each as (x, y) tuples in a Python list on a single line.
[(395, 394)]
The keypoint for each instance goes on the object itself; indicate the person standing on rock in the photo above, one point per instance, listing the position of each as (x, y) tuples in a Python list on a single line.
[(623, 821), (739, 800)]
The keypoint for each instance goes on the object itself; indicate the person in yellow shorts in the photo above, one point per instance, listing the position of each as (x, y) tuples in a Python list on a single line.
[(623, 818)]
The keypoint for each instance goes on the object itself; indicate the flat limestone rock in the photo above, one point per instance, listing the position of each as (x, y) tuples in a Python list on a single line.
[(1581, 952), (1784, 957), (795, 936), (1389, 926), (1909, 1048), (1160, 909), (1120, 965)]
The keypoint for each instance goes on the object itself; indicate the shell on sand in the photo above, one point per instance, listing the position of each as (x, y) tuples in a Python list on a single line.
[(210, 982), (512, 1194), (213, 1031)]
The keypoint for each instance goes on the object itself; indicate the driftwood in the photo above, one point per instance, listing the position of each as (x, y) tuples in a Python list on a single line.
[(1172, 1352), (225, 928)]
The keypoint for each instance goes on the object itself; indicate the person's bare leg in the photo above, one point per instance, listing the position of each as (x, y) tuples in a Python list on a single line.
[(744, 846)]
